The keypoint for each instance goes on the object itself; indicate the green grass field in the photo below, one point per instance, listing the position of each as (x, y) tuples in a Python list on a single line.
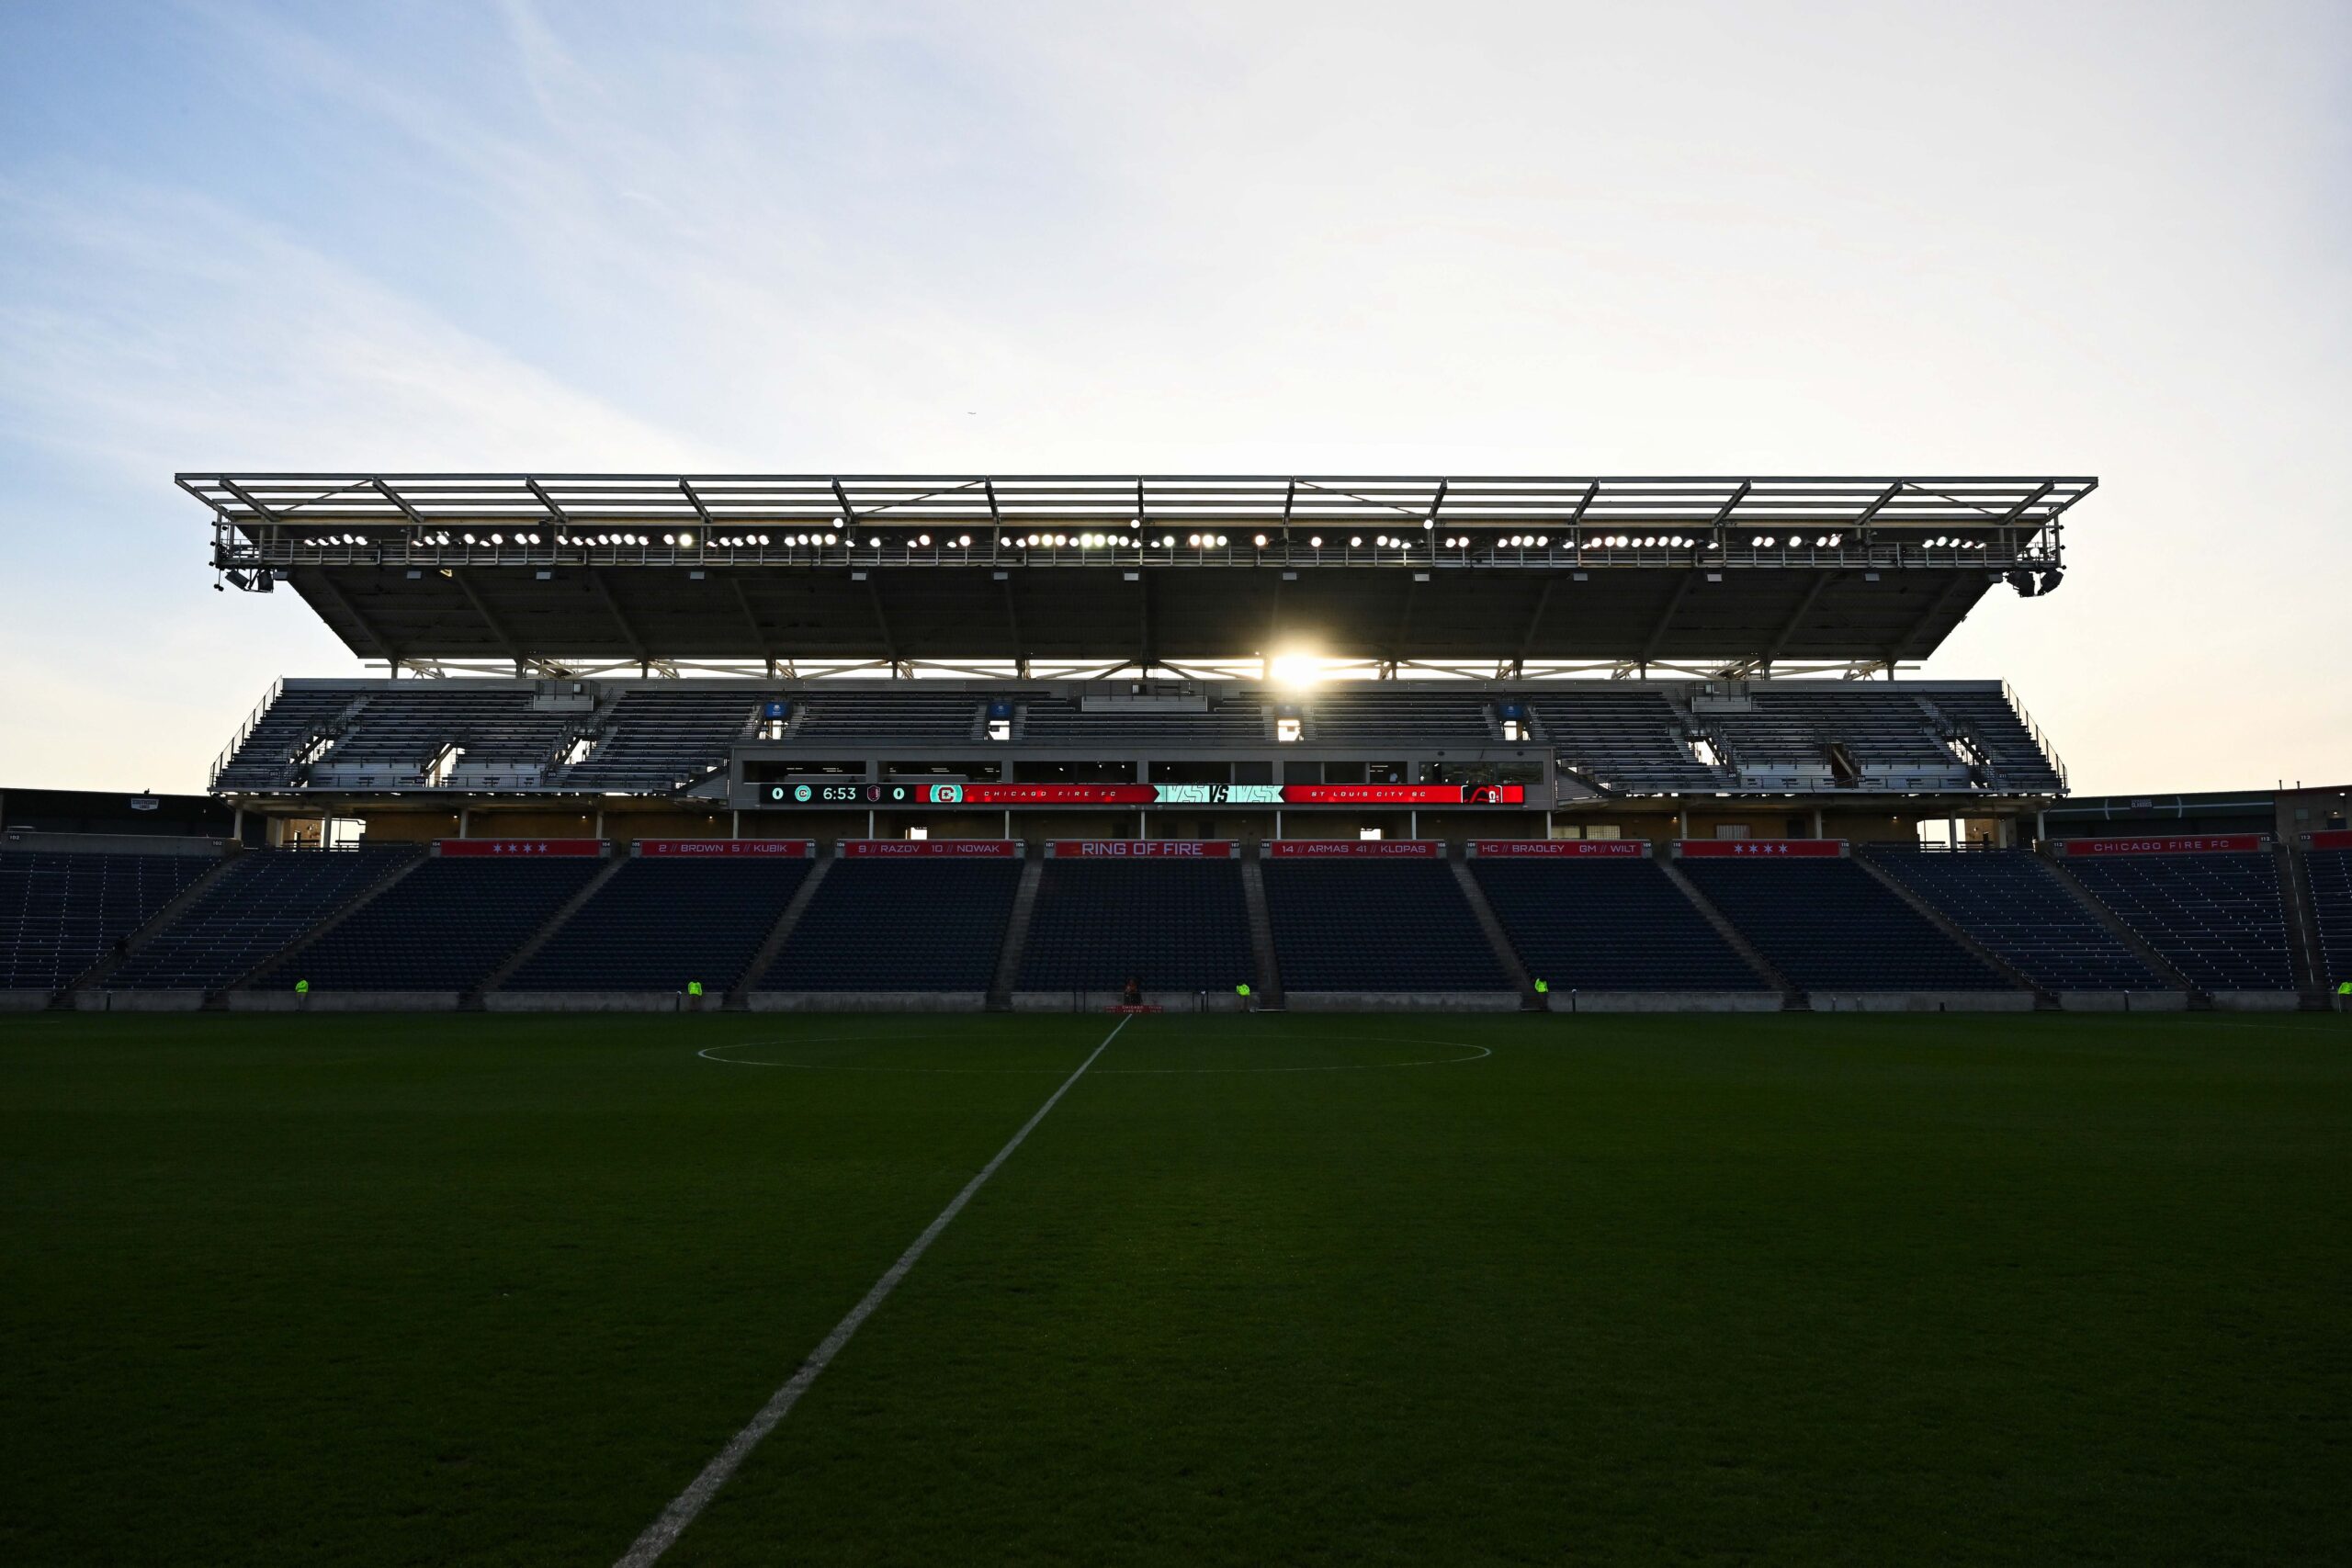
[(1781, 1288)]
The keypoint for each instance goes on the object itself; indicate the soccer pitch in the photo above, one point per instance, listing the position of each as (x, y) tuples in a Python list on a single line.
[(1781, 1288)]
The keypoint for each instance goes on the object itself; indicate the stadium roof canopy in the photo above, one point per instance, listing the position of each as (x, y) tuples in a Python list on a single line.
[(577, 570)]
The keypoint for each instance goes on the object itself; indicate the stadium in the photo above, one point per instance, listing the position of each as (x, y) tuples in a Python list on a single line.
[(1018, 743), (1527, 1032)]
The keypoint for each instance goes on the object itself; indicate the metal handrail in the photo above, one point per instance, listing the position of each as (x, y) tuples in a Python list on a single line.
[(2057, 764), (252, 722)]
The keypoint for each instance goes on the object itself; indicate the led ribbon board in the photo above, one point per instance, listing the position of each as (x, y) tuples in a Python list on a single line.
[(927, 849), (1144, 794), (518, 848), (2177, 844), (1758, 849), (1560, 849), (1219, 795), (724, 848)]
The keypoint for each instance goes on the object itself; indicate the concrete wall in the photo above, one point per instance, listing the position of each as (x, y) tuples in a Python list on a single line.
[(32, 841), (1401, 1001), (600, 1001), (2123, 1001), (1098, 1002), (23, 1001), (389, 826), (344, 1001), (1664, 1001), (138, 1001), (1922, 1001), (866, 1002), (2255, 1001)]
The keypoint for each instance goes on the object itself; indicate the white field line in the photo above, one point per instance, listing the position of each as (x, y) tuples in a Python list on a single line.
[(688, 1505), (711, 1054)]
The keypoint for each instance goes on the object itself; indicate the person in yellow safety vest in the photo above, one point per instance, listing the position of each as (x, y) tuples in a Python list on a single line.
[(301, 987)]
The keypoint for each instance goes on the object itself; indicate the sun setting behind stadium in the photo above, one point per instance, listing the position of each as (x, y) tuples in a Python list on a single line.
[(1173, 786)]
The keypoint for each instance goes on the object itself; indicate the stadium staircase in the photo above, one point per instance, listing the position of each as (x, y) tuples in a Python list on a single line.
[(1016, 935), (739, 999), (548, 928), (2044, 998), (259, 904), (94, 975), (899, 926), (1832, 927), (1261, 932), (2120, 929), (660, 925), (1607, 925), (2303, 937), (1378, 927), (310, 937), (1505, 954), (1180, 927), (2327, 878), (1791, 998), (2220, 918), (447, 927)]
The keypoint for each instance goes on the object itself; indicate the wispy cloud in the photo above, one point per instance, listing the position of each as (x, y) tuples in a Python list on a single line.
[(1505, 236)]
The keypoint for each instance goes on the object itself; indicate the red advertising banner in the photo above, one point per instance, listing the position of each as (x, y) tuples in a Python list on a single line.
[(519, 847), (1143, 849), (2332, 838), (727, 849), (1559, 849), (927, 849), (1760, 849), (1036, 794), (1197, 795), (1354, 849), (2178, 844), (1404, 795)]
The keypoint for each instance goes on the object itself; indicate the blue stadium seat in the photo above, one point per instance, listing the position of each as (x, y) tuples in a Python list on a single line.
[(1174, 925), (1828, 926), (900, 925), (660, 923), (2331, 879), (445, 927), (264, 900), (1607, 925), (2012, 902), (2215, 917), (1376, 925), (60, 913)]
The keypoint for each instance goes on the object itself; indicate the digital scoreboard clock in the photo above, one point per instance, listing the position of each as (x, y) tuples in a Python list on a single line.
[(817, 792)]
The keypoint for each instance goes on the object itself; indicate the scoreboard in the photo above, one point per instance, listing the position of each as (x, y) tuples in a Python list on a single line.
[(819, 793)]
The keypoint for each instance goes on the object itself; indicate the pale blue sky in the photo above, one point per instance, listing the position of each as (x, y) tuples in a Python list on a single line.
[(1545, 238)]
